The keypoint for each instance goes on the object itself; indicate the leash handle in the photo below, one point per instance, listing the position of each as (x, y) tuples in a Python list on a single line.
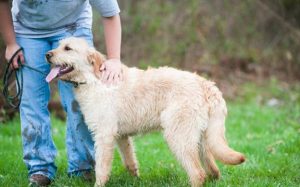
[(14, 55), (13, 100)]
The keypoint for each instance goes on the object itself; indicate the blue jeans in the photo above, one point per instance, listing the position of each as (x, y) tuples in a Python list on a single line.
[(39, 151)]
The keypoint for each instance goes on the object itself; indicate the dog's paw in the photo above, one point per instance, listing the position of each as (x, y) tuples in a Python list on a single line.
[(99, 184), (133, 170), (101, 181), (214, 176)]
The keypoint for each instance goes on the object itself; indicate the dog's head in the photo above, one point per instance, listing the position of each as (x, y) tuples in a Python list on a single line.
[(74, 60)]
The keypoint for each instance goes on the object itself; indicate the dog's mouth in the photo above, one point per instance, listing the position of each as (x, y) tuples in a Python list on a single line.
[(58, 71)]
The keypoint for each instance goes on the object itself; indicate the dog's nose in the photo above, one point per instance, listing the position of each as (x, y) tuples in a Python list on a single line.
[(49, 55)]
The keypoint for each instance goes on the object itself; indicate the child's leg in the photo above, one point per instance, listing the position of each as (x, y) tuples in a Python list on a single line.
[(38, 149)]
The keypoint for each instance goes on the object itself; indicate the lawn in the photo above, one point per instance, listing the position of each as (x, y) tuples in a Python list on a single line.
[(263, 125)]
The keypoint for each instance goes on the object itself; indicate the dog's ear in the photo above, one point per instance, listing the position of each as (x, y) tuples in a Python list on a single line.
[(96, 59)]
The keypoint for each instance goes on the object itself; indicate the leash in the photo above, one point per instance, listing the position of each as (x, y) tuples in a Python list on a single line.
[(15, 100)]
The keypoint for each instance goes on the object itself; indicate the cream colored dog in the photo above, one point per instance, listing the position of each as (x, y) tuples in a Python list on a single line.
[(188, 109)]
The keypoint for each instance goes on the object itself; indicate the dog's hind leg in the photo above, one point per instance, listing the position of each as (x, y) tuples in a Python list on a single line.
[(128, 155), (184, 143), (208, 161)]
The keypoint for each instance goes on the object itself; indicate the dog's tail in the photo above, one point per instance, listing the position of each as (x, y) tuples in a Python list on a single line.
[(215, 133)]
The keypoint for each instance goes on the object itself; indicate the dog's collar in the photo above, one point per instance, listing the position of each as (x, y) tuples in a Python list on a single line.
[(75, 84)]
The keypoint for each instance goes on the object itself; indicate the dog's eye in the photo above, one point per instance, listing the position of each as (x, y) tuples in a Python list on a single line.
[(67, 48)]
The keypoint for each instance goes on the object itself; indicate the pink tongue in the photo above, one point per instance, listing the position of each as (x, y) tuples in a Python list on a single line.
[(53, 73)]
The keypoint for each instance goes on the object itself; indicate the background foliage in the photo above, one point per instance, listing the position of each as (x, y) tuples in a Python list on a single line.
[(231, 41)]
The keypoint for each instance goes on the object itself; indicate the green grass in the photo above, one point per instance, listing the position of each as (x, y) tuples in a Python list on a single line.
[(268, 135)]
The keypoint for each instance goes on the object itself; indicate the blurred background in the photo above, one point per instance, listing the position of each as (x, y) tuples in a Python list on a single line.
[(237, 44)]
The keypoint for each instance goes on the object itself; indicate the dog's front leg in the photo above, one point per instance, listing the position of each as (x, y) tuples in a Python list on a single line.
[(104, 147)]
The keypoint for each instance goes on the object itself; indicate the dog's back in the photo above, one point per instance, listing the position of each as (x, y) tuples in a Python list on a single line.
[(146, 95)]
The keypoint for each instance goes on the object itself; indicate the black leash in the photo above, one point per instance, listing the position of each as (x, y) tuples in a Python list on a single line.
[(15, 100)]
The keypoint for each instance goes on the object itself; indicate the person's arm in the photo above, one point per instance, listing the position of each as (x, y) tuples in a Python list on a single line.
[(112, 66), (109, 10), (112, 33), (8, 34)]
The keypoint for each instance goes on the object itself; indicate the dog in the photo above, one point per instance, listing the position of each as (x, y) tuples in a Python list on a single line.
[(188, 109)]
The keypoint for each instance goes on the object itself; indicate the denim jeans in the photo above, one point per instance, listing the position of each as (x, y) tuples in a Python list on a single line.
[(39, 151)]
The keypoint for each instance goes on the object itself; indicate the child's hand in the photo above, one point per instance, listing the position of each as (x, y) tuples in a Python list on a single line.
[(10, 50), (111, 71)]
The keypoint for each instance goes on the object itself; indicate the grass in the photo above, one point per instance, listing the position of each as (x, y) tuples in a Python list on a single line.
[(267, 134)]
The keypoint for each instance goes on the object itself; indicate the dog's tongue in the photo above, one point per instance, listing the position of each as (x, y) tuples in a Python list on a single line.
[(53, 73)]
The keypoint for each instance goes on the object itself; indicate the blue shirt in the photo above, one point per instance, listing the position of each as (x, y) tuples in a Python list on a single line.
[(45, 18)]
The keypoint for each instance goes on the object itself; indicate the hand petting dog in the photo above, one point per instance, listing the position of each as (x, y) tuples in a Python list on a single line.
[(111, 71)]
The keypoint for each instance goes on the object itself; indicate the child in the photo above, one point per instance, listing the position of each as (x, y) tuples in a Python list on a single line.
[(37, 26)]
